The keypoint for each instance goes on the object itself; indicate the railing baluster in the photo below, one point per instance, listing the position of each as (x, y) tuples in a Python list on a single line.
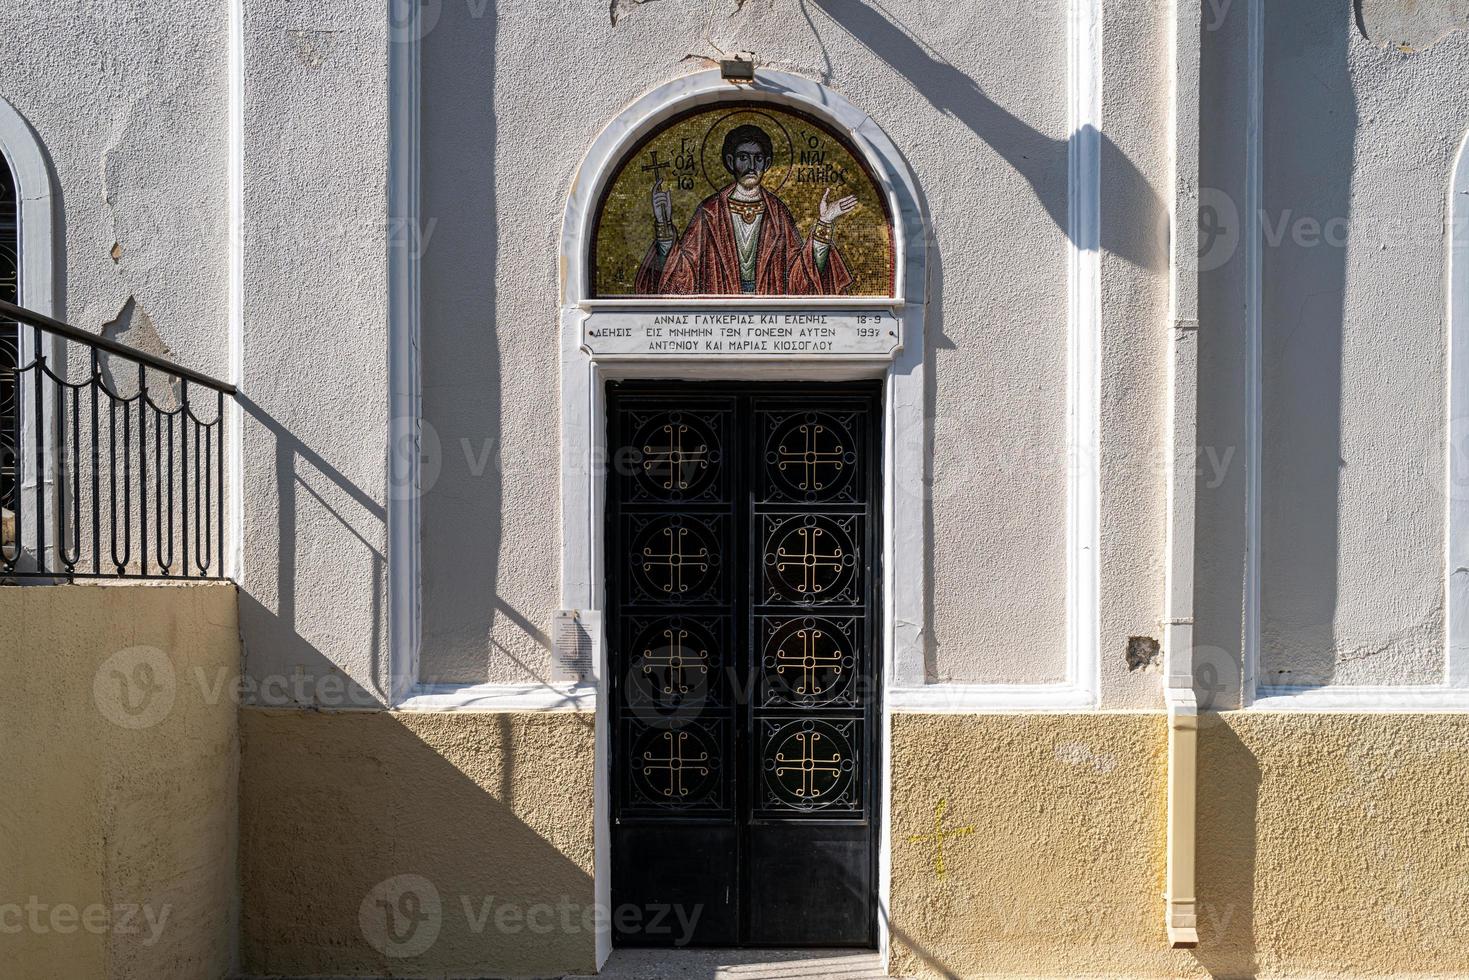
[(39, 428), (158, 521), (142, 470), (17, 495), (201, 527), (120, 560), (168, 481), (219, 475), (96, 470), (58, 540), (73, 554), (184, 477)]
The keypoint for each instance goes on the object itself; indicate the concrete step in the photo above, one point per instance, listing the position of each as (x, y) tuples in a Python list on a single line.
[(741, 964)]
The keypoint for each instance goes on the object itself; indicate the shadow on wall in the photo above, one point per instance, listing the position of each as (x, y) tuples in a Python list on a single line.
[(1228, 803), (1041, 160), (1310, 118), (295, 467), (316, 680), (1222, 536), (462, 512), (415, 844), (456, 243)]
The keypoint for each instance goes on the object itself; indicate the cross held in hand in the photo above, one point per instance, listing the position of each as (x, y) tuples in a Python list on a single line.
[(655, 166)]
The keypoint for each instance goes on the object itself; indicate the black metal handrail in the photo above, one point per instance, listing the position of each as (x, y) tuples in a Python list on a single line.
[(96, 481)]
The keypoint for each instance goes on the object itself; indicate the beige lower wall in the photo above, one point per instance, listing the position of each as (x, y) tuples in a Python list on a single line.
[(1329, 845), (1334, 844), (118, 780), (442, 844), (1061, 872), (413, 844)]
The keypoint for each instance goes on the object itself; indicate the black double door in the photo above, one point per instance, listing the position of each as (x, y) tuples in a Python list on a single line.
[(743, 537)]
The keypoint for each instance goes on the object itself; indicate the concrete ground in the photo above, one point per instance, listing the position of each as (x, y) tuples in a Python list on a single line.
[(742, 964)]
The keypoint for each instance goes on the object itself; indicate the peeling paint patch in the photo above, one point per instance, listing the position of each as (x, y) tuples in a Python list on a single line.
[(1410, 25), (134, 327), (1142, 651), (116, 252), (312, 48), (1081, 754), (616, 8)]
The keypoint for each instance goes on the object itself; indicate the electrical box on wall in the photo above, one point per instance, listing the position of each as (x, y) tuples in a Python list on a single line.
[(575, 634)]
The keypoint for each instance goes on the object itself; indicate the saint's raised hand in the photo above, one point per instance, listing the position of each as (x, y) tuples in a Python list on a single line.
[(831, 211), (662, 203)]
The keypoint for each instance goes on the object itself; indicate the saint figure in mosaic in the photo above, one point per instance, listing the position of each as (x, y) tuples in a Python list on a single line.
[(742, 238)]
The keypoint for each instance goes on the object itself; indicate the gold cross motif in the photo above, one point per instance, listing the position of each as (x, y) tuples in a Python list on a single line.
[(809, 660), (675, 456), (808, 765), (811, 458), (675, 561), (938, 836), (810, 559), (677, 659), (675, 765)]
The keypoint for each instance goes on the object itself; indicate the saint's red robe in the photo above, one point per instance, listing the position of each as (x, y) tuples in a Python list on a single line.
[(706, 260)]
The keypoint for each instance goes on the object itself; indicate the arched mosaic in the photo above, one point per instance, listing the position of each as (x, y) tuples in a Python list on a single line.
[(746, 198)]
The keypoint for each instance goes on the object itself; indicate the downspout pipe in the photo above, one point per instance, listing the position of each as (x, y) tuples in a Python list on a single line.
[(1180, 911)]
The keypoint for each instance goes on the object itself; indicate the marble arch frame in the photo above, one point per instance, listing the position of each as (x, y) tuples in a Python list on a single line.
[(36, 199)]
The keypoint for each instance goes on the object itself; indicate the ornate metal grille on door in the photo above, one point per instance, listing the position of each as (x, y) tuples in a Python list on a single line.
[(742, 582)]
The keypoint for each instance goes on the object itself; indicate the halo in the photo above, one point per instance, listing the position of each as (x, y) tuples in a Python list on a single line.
[(740, 117)]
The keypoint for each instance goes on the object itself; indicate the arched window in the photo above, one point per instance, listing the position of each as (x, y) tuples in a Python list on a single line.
[(26, 277), (9, 334)]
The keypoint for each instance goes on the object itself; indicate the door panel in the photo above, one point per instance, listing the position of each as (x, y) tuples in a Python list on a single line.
[(809, 884), (670, 866), (742, 533)]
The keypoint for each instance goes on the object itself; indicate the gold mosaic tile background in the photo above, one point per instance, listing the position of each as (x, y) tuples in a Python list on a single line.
[(809, 158)]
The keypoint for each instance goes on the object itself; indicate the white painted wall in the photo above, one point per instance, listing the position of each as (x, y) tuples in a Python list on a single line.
[(1357, 142), (126, 100), (505, 123), (131, 103), (315, 319)]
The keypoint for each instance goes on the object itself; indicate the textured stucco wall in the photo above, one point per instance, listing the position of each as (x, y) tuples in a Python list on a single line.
[(1328, 845), (1333, 844), (314, 351), (147, 170), (1411, 24), (1134, 393), (1354, 350), (1358, 143), (474, 829), (988, 146), (1062, 874), (128, 102), (118, 818)]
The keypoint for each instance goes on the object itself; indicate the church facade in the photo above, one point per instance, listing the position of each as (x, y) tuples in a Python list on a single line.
[(977, 486)]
